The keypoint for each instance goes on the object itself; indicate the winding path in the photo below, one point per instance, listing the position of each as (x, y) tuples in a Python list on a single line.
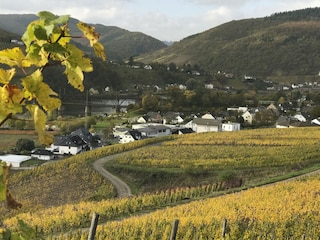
[(122, 188)]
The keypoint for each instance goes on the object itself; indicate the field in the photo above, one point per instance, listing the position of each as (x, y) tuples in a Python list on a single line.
[(249, 156), (191, 171), (8, 138)]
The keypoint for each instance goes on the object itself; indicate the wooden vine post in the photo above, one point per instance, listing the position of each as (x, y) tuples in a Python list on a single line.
[(93, 227), (174, 229)]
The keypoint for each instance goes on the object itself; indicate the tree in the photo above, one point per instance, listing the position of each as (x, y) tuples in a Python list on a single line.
[(47, 42), (150, 103), (24, 144)]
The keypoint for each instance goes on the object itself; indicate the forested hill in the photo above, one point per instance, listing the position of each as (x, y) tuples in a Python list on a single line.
[(119, 43), (285, 43)]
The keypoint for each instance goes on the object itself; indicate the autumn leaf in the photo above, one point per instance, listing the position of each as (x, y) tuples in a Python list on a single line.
[(99, 51), (35, 88), (75, 65), (40, 119), (14, 57), (93, 37), (10, 100), (6, 75)]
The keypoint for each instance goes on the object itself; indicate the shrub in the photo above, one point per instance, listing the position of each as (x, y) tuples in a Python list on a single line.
[(24, 145)]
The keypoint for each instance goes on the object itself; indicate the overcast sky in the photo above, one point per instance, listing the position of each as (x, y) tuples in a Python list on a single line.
[(166, 20)]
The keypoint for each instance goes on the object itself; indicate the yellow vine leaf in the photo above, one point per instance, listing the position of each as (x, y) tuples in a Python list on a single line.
[(10, 98), (36, 88), (75, 65), (6, 75), (74, 75), (93, 37), (14, 57), (99, 51), (89, 32), (40, 118)]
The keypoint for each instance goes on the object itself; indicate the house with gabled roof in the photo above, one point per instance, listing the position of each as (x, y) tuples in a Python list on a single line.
[(154, 117), (172, 118), (200, 125), (78, 141), (130, 136)]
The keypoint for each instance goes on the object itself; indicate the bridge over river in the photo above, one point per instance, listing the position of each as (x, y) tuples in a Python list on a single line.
[(95, 106)]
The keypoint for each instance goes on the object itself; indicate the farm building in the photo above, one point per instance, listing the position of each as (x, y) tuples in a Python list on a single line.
[(14, 160)]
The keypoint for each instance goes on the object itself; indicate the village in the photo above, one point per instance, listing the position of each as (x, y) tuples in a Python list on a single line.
[(155, 124)]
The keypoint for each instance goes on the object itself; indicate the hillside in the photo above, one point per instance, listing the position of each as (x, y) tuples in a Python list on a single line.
[(282, 44), (179, 170), (119, 43)]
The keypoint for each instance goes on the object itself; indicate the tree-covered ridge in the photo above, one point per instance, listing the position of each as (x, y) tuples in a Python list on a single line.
[(119, 43), (283, 44), (298, 15)]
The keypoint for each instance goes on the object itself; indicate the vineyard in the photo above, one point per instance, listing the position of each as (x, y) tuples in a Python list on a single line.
[(284, 211), (194, 171), (251, 156)]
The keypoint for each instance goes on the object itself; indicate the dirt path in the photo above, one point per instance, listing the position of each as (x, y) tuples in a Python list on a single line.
[(122, 188)]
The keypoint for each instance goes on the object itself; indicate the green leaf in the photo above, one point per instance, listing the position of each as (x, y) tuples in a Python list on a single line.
[(46, 16), (50, 18), (54, 48), (40, 33), (28, 36)]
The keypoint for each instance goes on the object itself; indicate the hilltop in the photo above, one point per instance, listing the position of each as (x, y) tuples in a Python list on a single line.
[(119, 43), (282, 47), (281, 44)]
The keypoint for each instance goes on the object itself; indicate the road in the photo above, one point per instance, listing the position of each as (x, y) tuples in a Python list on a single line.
[(122, 188)]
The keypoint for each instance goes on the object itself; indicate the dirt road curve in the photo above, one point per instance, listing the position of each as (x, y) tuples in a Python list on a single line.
[(122, 188)]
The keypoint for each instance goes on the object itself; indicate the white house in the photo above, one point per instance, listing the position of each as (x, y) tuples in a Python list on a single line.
[(229, 127), (172, 118), (199, 125), (208, 116), (130, 136), (14, 160), (154, 131), (247, 117), (142, 119), (66, 145), (300, 117), (42, 154)]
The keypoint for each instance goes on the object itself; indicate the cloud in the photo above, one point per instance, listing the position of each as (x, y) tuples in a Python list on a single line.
[(164, 20)]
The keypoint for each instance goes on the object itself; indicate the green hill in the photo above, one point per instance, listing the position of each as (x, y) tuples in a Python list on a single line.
[(282, 44), (119, 43)]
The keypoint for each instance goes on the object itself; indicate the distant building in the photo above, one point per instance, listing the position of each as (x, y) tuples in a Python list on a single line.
[(229, 127), (200, 125), (14, 160), (42, 154)]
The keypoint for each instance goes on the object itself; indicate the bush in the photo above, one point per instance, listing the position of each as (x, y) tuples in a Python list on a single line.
[(24, 145)]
